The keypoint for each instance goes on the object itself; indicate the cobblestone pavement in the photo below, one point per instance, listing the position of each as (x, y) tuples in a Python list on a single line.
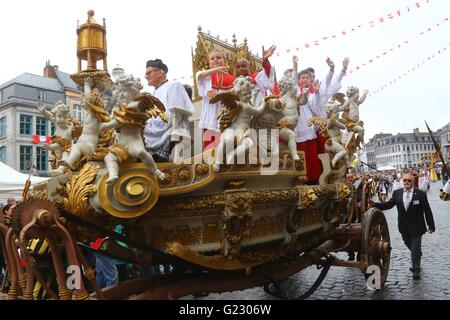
[(347, 283)]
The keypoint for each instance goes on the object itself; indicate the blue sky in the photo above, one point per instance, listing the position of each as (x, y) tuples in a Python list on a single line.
[(36, 31)]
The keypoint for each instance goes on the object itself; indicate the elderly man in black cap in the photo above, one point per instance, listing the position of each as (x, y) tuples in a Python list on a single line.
[(160, 136)]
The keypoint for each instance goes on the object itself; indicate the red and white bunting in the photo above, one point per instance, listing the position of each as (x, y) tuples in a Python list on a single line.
[(373, 23), (396, 47), (410, 70)]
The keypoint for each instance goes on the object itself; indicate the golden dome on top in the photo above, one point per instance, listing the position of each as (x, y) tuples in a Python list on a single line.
[(91, 17)]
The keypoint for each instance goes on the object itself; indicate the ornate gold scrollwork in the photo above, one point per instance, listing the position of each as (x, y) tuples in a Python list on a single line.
[(307, 196), (135, 192), (40, 191), (236, 221), (201, 169), (79, 187), (343, 191)]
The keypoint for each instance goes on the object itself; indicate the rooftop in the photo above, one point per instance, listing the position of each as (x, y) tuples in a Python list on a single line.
[(36, 81)]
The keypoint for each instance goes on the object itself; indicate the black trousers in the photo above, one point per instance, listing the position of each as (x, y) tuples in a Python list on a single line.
[(414, 244)]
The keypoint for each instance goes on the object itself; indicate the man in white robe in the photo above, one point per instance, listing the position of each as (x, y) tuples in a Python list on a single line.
[(160, 136)]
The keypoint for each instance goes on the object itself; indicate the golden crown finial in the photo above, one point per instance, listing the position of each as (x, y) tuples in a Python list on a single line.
[(91, 14), (91, 43)]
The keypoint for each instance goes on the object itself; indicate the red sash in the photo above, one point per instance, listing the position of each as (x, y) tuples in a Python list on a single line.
[(222, 81)]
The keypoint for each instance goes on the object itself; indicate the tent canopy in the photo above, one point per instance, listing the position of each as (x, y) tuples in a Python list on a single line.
[(12, 182)]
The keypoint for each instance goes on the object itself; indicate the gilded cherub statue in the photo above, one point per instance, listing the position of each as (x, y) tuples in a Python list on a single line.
[(129, 120), (334, 132), (291, 104), (95, 114), (332, 128), (234, 119), (350, 115), (66, 129)]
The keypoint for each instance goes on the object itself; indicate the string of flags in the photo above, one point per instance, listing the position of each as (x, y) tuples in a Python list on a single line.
[(371, 24), (410, 70), (396, 47)]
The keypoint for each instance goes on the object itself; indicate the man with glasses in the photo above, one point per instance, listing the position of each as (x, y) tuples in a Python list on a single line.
[(412, 204), (159, 136)]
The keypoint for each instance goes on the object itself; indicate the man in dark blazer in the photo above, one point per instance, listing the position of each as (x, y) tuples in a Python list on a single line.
[(411, 204)]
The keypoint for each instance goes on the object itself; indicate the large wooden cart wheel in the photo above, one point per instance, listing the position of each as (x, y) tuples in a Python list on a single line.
[(375, 242)]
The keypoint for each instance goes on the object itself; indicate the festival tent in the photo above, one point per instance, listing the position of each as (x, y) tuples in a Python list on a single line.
[(12, 182)]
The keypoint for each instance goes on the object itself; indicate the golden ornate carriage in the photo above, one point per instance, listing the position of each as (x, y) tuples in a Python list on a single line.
[(233, 229)]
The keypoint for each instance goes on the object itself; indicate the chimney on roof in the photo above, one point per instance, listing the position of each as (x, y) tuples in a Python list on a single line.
[(416, 131), (49, 70)]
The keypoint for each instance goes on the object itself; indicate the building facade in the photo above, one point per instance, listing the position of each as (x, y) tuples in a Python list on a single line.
[(370, 148), (20, 119), (403, 150), (444, 133)]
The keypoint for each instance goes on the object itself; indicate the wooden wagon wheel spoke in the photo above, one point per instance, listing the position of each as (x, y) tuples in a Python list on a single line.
[(375, 242)]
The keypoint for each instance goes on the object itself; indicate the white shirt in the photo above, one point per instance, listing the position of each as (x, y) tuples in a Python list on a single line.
[(171, 94), (447, 187), (264, 83), (407, 197), (307, 111), (208, 116)]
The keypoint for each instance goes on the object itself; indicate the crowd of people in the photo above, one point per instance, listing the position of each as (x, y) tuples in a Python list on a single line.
[(408, 189)]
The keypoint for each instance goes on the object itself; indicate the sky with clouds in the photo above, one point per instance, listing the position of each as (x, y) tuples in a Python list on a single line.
[(36, 31)]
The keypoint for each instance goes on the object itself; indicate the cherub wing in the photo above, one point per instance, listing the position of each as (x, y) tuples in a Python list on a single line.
[(321, 123), (274, 103), (230, 110), (268, 98), (76, 128), (340, 97), (152, 105)]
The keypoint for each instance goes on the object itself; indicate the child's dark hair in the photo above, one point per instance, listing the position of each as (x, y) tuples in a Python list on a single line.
[(305, 71)]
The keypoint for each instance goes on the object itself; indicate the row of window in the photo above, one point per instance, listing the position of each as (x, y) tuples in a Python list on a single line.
[(393, 140), (404, 158), (26, 157), (406, 148), (26, 123), (3, 127)]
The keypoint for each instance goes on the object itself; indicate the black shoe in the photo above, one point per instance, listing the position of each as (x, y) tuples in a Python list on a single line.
[(416, 276)]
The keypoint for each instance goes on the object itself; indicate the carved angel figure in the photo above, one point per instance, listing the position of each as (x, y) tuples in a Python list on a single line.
[(235, 117), (332, 127), (350, 115), (129, 120), (66, 129), (95, 114), (291, 105)]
